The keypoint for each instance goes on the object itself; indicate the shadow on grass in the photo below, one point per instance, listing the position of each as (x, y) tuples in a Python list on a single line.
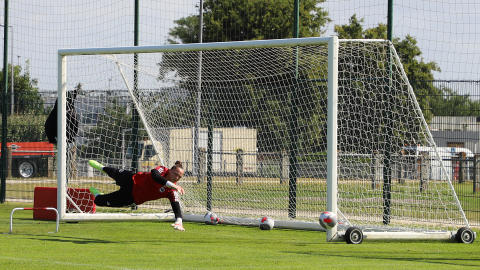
[(451, 260), (82, 241), (74, 240)]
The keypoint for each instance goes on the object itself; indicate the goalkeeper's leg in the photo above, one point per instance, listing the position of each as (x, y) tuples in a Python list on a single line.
[(122, 177), (95, 191), (96, 165), (119, 198)]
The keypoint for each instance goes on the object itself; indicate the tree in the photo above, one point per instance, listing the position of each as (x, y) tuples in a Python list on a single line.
[(237, 21), (354, 30), (27, 99), (232, 20), (451, 103), (186, 30), (26, 128), (415, 68), (410, 56), (432, 100), (27, 122)]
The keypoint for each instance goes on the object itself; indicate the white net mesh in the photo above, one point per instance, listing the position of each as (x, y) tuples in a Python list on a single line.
[(390, 172), (261, 144)]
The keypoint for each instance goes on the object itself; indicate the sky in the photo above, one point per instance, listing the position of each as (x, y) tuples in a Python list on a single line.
[(446, 30)]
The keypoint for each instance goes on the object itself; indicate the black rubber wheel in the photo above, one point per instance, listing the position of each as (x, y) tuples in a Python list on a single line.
[(465, 235), (354, 235), (26, 168)]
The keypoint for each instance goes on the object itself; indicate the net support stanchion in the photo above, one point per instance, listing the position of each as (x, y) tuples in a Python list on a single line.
[(74, 204), (34, 208)]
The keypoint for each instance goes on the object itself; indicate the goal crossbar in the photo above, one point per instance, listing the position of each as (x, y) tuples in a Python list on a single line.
[(231, 45)]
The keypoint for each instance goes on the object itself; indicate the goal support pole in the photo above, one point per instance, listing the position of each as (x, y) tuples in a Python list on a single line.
[(62, 136), (332, 131)]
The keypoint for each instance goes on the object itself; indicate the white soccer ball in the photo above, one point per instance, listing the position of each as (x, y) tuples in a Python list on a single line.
[(266, 223), (328, 220), (211, 218)]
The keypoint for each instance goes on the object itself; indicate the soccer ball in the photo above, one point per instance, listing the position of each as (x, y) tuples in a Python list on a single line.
[(328, 220), (266, 223), (211, 218)]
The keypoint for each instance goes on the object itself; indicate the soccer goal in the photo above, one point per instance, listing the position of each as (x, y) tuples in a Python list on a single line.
[(279, 128)]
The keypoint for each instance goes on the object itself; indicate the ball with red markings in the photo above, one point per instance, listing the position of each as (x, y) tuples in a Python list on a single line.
[(211, 218), (328, 220), (266, 223)]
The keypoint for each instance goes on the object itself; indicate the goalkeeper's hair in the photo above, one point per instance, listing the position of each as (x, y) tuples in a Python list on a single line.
[(178, 164)]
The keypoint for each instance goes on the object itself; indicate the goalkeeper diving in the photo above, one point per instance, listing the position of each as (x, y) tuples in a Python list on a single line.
[(137, 188)]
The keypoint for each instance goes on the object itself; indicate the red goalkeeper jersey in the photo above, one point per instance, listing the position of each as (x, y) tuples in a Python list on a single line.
[(145, 189)]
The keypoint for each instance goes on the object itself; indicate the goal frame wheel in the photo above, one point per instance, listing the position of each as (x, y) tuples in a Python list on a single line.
[(465, 235), (354, 235)]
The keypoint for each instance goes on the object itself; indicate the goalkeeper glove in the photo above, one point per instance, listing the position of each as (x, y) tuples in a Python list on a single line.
[(180, 190), (178, 225), (175, 187)]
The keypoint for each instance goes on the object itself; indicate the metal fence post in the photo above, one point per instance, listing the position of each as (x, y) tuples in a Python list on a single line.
[(400, 167), (239, 166), (461, 167), (50, 167), (284, 170), (424, 170), (476, 172), (9, 162), (202, 159), (376, 172)]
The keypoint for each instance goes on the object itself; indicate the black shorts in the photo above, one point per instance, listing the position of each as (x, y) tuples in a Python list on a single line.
[(123, 196)]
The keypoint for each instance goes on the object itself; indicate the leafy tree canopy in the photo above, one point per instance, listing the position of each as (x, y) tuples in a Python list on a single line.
[(232, 20), (433, 100), (410, 55), (27, 100), (26, 124), (407, 49), (451, 103)]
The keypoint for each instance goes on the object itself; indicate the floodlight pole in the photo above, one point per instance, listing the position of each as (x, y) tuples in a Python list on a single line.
[(293, 129), (390, 21), (387, 172), (135, 117), (4, 108), (196, 130), (13, 75)]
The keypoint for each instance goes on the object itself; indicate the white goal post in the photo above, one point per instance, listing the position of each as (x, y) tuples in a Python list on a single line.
[(251, 124)]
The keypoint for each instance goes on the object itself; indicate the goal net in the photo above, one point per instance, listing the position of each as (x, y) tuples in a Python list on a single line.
[(250, 122)]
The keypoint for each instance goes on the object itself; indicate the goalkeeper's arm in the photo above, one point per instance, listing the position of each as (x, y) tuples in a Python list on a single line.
[(177, 210), (157, 177)]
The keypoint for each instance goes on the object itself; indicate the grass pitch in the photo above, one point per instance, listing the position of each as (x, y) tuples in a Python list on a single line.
[(155, 245)]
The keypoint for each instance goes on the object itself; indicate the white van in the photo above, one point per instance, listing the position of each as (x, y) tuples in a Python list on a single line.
[(446, 154)]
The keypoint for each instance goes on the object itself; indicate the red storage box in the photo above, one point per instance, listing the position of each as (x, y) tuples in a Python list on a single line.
[(47, 197)]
